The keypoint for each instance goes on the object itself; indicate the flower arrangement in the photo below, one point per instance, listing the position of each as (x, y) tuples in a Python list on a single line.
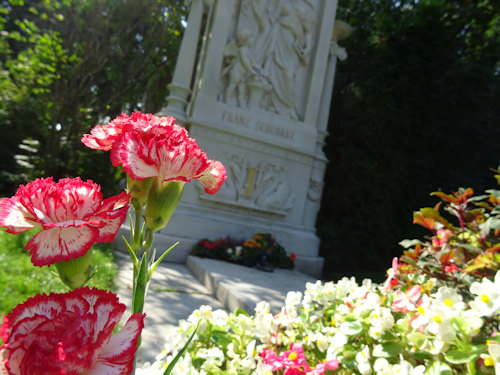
[(262, 250), (71, 333), (436, 313)]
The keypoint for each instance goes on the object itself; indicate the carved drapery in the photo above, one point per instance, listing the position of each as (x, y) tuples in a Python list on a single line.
[(272, 41)]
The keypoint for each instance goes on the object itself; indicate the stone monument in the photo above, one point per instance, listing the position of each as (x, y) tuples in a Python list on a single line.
[(253, 85)]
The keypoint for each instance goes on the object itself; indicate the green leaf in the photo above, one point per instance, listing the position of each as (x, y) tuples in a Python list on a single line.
[(389, 336), (239, 311), (460, 356), (133, 257), (416, 338), (155, 264), (351, 328), (387, 350), (222, 339), (171, 365), (422, 355), (439, 368), (409, 243)]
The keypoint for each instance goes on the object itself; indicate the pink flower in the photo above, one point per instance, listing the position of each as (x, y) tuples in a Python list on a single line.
[(406, 302), (271, 359), (151, 146), (321, 367), (451, 268), (441, 238), (295, 359), (391, 280), (69, 334), (72, 215)]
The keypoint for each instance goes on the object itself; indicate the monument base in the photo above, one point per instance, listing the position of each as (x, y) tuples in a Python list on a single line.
[(191, 223)]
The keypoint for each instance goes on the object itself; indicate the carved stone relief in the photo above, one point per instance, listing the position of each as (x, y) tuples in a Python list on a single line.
[(273, 40), (258, 185)]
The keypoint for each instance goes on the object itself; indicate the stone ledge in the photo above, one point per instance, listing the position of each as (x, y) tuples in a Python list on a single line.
[(236, 286)]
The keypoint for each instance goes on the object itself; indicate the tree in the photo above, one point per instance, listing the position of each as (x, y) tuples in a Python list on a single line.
[(67, 65), (414, 110)]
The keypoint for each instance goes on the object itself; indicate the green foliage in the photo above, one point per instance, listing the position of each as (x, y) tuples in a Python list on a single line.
[(415, 109), (66, 66), (21, 280), (461, 249)]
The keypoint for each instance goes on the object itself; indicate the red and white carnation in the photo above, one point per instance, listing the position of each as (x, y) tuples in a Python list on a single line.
[(71, 213), (69, 333), (152, 146)]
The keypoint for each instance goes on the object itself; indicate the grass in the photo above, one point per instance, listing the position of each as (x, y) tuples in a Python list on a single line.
[(20, 279)]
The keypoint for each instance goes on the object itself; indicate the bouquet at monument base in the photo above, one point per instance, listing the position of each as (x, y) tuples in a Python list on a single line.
[(261, 251)]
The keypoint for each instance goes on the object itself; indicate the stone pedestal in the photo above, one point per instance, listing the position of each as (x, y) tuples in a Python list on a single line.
[(258, 101)]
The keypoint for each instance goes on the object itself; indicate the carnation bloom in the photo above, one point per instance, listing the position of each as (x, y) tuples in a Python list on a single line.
[(71, 213), (69, 334), (152, 146)]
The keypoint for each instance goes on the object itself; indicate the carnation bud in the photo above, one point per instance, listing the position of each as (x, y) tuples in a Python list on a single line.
[(162, 201), (76, 272), (138, 190)]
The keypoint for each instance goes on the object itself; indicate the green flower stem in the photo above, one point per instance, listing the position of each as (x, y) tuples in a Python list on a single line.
[(137, 231), (162, 199), (140, 285)]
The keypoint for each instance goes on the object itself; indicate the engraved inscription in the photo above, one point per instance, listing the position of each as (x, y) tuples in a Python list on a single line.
[(274, 130), (235, 119), (260, 126)]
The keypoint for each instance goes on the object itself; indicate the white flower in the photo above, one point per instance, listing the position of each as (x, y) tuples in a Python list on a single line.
[(494, 352), (363, 360), (312, 293), (487, 301), (292, 303), (213, 359), (405, 368), (338, 340), (318, 339), (346, 286), (449, 300), (423, 313)]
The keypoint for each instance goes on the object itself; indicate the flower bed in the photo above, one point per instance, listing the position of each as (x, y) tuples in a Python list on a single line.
[(436, 313)]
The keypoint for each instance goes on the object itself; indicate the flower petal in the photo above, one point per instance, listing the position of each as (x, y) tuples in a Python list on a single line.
[(135, 156), (117, 356), (102, 137), (213, 177), (15, 217), (3, 359), (61, 244), (112, 214), (69, 333)]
